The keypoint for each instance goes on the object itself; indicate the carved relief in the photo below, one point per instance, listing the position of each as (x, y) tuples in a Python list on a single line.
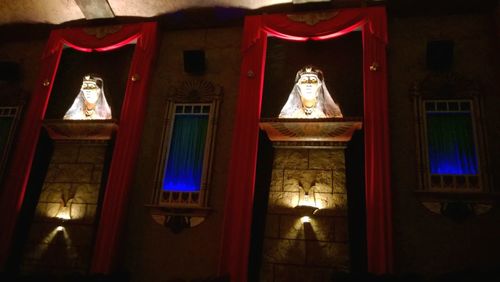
[(102, 31), (312, 18)]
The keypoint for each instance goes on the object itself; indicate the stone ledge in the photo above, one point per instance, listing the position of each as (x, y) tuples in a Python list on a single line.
[(65, 130)]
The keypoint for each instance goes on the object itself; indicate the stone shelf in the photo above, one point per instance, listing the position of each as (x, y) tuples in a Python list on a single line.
[(61, 130), (317, 130)]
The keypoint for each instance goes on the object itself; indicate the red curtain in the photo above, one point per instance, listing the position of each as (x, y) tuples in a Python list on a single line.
[(241, 180), (126, 143)]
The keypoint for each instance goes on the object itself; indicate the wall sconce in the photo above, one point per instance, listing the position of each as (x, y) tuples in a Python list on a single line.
[(64, 212), (307, 204), (305, 219), (307, 201), (67, 196)]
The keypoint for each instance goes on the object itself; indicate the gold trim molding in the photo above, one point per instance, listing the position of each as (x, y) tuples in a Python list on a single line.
[(312, 18)]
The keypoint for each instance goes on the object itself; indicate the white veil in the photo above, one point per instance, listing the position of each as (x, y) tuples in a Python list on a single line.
[(325, 103), (101, 110)]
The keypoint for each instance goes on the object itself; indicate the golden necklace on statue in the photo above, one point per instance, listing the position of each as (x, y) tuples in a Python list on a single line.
[(89, 112)]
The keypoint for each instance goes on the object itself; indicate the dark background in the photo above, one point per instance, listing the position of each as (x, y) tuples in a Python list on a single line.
[(340, 59), (111, 66)]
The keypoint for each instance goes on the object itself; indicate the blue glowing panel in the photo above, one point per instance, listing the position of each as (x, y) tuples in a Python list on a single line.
[(185, 159), (451, 143)]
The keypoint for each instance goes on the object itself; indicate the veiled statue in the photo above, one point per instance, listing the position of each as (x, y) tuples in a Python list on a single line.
[(90, 103), (309, 97)]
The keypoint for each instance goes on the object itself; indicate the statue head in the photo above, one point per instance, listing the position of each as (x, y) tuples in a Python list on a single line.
[(309, 84), (90, 89)]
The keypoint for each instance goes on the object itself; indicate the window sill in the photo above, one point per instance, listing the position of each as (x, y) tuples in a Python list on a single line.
[(178, 218)]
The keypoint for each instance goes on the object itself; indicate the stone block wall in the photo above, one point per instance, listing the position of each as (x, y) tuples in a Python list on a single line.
[(296, 251), (61, 234)]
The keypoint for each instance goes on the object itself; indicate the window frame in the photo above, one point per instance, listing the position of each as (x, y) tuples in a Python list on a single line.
[(449, 87), (206, 163), (428, 175), (191, 93)]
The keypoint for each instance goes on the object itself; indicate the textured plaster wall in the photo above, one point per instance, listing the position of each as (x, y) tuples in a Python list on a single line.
[(27, 54), (152, 252), (426, 242)]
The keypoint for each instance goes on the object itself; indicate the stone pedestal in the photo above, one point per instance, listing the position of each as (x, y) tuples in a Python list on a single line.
[(308, 179), (62, 231)]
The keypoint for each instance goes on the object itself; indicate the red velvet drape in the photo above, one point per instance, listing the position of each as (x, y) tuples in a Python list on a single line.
[(239, 199), (126, 143)]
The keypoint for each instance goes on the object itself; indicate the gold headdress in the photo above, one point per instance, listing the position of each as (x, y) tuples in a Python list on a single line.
[(309, 69), (89, 78)]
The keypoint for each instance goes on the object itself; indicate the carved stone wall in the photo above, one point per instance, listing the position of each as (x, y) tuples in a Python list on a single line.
[(61, 234), (296, 251)]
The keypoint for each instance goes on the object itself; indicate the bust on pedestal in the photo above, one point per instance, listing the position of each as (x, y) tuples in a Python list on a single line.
[(307, 193)]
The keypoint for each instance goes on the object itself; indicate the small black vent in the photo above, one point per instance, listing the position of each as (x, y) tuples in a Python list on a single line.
[(10, 71), (194, 61), (440, 55)]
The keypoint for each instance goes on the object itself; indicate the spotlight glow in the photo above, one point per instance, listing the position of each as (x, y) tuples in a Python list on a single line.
[(305, 219), (63, 216), (64, 213), (308, 201)]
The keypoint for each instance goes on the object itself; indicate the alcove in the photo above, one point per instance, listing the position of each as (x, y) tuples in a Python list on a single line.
[(91, 158), (371, 23), (332, 227)]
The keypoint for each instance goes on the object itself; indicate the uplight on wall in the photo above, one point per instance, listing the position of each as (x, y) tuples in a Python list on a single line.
[(307, 206), (67, 197), (305, 219), (64, 212), (308, 199)]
